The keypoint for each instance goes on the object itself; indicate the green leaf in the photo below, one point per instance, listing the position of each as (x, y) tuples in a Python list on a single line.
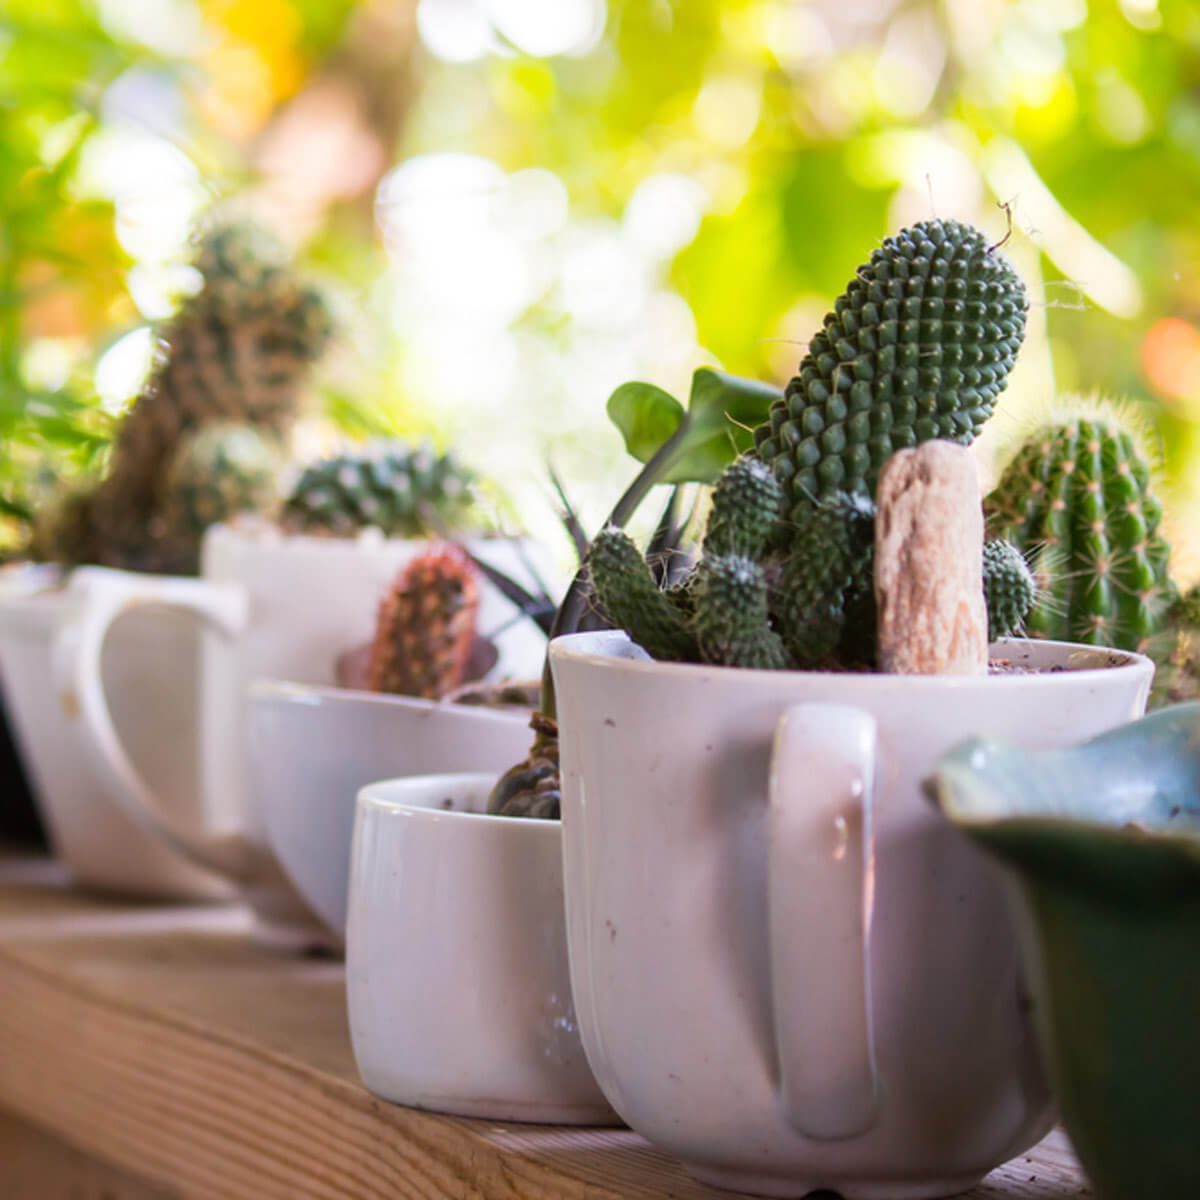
[(646, 416), (716, 424)]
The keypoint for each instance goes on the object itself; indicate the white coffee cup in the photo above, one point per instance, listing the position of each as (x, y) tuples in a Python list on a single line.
[(155, 715), (273, 606), (456, 957), (789, 970)]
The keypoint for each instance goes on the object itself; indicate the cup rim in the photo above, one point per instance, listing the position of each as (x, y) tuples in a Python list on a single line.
[(596, 649), (289, 692), (372, 801)]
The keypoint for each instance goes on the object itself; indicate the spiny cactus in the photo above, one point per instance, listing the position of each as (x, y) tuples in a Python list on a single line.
[(633, 600), (919, 346), (1009, 589), (1079, 495), (1177, 653), (747, 503), (827, 583), (403, 490), (731, 614), (426, 626), (236, 351)]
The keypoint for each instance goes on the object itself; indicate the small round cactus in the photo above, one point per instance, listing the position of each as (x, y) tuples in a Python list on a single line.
[(402, 490), (919, 346), (633, 600), (1009, 589), (1079, 496), (747, 503)]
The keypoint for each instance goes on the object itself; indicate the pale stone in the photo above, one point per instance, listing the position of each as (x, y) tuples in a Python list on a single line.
[(929, 563)]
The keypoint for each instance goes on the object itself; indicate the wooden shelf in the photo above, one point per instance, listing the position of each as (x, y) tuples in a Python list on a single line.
[(182, 1061)]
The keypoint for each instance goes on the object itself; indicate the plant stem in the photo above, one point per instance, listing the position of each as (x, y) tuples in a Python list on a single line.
[(566, 620)]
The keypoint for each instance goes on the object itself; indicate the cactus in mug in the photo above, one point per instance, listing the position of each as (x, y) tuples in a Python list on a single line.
[(427, 626)]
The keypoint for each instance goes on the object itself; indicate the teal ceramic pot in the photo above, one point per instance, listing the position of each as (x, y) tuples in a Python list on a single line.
[(1103, 844)]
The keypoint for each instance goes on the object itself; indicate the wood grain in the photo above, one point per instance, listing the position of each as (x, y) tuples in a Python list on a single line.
[(164, 1043)]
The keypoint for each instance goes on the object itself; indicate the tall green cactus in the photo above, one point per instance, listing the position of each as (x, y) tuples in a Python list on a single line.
[(1079, 497), (918, 347)]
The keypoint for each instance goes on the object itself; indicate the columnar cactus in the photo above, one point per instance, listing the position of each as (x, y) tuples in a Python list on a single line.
[(1079, 496), (632, 599), (403, 490), (426, 626), (731, 620), (237, 351), (919, 346)]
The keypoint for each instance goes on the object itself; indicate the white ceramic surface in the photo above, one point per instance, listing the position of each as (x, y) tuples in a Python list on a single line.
[(789, 971), (154, 710), (273, 606), (313, 748), (456, 957)]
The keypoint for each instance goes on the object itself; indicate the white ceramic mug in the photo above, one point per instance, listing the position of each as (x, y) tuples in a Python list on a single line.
[(88, 828), (315, 748), (789, 971), (456, 957), (272, 606)]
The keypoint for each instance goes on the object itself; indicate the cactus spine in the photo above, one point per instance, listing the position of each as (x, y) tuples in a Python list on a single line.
[(1079, 496), (426, 626)]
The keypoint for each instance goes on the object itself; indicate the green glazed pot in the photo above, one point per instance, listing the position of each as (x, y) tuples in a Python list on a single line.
[(1103, 844)]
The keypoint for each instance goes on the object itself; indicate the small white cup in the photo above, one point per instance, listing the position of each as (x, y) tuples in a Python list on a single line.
[(456, 958), (313, 748)]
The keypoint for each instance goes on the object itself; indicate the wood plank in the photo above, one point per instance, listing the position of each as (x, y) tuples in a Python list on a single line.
[(162, 1041), (36, 1166)]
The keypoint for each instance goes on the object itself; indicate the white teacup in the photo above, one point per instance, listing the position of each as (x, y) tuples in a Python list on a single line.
[(155, 715), (789, 970), (314, 748), (273, 606), (456, 957)]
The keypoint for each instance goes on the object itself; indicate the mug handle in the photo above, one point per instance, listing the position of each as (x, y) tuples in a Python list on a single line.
[(819, 880), (98, 596)]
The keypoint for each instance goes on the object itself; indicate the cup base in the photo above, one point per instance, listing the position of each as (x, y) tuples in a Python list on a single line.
[(522, 1112), (794, 1188)]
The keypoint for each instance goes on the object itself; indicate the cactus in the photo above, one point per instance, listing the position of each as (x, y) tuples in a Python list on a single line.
[(236, 351), (1009, 589), (731, 615), (218, 472), (825, 597), (402, 490), (747, 503), (1177, 653), (426, 626), (919, 346), (1079, 494), (629, 595)]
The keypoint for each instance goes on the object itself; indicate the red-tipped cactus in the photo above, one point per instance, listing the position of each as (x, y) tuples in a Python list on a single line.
[(426, 626)]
